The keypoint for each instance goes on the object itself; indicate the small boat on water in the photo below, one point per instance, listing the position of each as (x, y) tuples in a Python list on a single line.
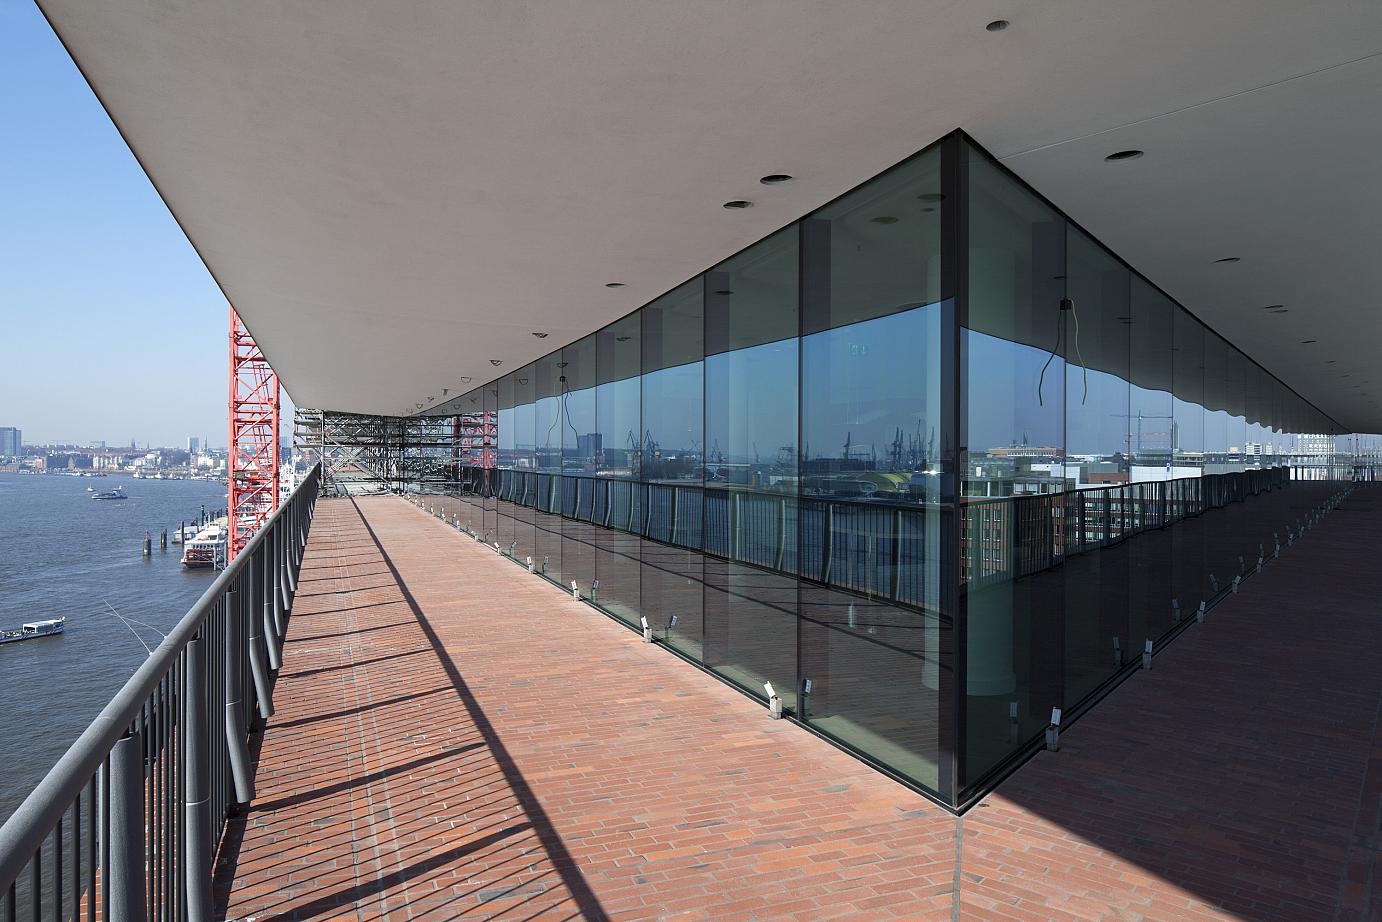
[(34, 629), (117, 493)]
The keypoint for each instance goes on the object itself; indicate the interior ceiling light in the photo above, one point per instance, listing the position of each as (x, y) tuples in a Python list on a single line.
[(614, 284), (522, 380), (1306, 342), (884, 219), (739, 203), (1273, 307), (419, 406), (444, 392), (496, 362), (1120, 155), (540, 335), (465, 380), (1229, 259), (998, 25), (622, 339), (723, 291), (775, 179)]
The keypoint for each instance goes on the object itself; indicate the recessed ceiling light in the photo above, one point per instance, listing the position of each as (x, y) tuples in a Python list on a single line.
[(884, 219), (1229, 259), (1306, 342), (1118, 155), (465, 380), (775, 179), (723, 291), (496, 362), (419, 406), (430, 399), (739, 203), (540, 335), (622, 339), (614, 284), (1273, 307), (998, 25)]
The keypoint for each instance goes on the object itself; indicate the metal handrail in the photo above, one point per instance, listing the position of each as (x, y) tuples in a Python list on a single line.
[(272, 556)]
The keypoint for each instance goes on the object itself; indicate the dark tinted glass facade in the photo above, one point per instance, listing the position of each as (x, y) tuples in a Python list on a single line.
[(920, 462)]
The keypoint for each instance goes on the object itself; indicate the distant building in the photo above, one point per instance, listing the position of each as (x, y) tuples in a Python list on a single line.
[(193, 444), (11, 440)]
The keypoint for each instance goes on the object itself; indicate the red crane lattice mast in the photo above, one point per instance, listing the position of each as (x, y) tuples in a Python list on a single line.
[(254, 437)]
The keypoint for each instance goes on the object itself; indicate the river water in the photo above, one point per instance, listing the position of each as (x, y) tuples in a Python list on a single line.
[(61, 553)]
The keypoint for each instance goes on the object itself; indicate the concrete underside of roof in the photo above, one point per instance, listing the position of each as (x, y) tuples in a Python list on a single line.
[(394, 195)]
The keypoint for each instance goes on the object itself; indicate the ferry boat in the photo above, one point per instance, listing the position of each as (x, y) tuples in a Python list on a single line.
[(117, 493), (34, 629), (207, 549)]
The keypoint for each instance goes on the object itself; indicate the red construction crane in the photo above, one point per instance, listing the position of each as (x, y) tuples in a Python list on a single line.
[(253, 437)]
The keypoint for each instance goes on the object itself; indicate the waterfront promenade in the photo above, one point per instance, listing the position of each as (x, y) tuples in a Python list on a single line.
[(457, 738)]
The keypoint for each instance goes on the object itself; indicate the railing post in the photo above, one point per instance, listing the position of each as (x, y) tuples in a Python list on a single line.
[(269, 582), (196, 785), (281, 578), (236, 734), (259, 669), (125, 875)]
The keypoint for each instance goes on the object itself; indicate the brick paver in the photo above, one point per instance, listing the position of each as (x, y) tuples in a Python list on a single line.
[(457, 738)]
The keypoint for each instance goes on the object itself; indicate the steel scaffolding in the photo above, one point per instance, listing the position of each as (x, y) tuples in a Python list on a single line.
[(364, 454), (254, 454)]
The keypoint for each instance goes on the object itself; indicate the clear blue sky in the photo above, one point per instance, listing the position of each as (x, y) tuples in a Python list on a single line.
[(110, 326)]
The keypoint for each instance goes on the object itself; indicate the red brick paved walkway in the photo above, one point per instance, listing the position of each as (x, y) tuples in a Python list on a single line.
[(501, 751), (456, 738)]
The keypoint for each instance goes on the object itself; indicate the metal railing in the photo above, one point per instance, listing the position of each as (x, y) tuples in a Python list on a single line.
[(126, 824), (884, 548)]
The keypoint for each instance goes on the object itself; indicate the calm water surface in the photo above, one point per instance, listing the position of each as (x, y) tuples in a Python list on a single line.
[(61, 553)]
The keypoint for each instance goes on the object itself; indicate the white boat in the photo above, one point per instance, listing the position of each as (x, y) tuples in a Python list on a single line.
[(34, 629), (117, 493), (207, 549)]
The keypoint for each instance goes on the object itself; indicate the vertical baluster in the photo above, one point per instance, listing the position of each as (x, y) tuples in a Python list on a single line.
[(76, 891), (56, 879), (36, 886), (123, 874), (91, 843)]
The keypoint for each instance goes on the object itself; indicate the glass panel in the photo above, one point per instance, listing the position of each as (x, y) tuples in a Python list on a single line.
[(489, 397), (751, 464), (619, 502), (1150, 423), (1097, 342), (504, 474), (673, 450), (547, 429), (580, 442), (869, 516), (1014, 380), (1187, 539), (524, 463)]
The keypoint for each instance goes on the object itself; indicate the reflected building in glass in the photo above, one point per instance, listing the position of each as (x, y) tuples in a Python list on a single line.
[(930, 462)]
